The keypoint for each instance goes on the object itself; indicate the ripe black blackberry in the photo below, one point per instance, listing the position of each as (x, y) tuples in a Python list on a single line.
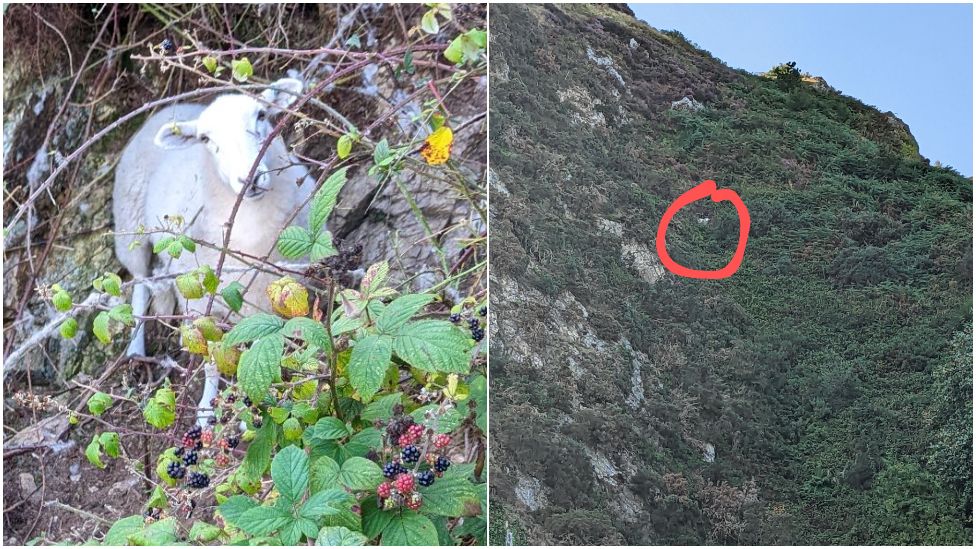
[(212, 420), (190, 458), (474, 323), (247, 402), (456, 317), (178, 451), (390, 470), (233, 441), (198, 480), (477, 334), (231, 398), (483, 311), (425, 478), (195, 432), (175, 470), (410, 454), (258, 423), (442, 464), (168, 45)]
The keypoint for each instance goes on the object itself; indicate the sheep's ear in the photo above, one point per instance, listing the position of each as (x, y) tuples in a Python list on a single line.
[(176, 135), (282, 93)]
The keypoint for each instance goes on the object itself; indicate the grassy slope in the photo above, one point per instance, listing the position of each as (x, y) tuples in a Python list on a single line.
[(817, 370)]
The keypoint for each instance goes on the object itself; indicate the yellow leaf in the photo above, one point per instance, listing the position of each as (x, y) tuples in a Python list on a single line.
[(437, 147)]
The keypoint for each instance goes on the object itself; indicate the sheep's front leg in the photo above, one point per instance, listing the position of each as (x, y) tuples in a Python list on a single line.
[(211, 384), (140, 304)]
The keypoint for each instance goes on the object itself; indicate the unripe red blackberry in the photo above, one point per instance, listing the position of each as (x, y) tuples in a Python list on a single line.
[(404, 483), (384, 490)]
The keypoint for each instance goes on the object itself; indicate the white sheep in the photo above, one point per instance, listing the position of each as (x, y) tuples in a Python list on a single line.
[(192, 161)]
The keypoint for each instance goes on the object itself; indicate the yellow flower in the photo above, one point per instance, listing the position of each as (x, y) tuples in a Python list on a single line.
[(437, 147)]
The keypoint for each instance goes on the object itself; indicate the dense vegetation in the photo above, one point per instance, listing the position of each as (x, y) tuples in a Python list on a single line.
[(831, 374)]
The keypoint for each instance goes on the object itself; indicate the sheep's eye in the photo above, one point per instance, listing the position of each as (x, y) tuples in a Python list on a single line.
[(262, 115), (204, 139)]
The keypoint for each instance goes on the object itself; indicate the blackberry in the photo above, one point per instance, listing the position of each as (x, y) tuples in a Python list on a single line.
[(233, 441), (442, 464), (198, 480), (231, 398), (168, 45), (175, 470), (258, 423), (213, 402), (425, 478), (456, 317), (474, 323), (190, 458), (195, 432), (410, 454), (477, 334), (178, 451), (483, 311), (390, 470), (247, 402), (212, 420)]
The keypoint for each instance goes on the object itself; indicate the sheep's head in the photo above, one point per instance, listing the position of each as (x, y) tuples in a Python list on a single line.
[(233, 128)]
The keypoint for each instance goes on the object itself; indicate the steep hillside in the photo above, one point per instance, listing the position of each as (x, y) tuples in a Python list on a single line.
[(820, 395)]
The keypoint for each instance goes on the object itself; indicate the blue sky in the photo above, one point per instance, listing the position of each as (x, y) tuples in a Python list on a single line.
[(914, 60)]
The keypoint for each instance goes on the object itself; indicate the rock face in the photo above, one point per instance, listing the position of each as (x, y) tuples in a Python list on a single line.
[(630, 405)]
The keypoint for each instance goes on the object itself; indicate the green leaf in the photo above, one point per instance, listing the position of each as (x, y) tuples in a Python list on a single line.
[(400, 310), (163, 243), (323, 246), (94, 453), (344, 146), (160, 412), (433, 345), (429, 24), (382, 408), (112, 284), (262, 520), (375, 520), (364, 441), (258, 454), (120, 531), (260, 366), (253, 327), (325, 200), (449, 496), (122, 313), (175, 249), (210, 63), (289, 471), (157, 499), (101, 329), (110, 443), (368, 364), (326, 502), (381, 152), (242, 69), (187, 243), (98, 403), (291, 533), (234, 507), (210, 280), (161, 532), (328, 428), (446, 422), (339, 536), (479, 394), (374, 277), (232, 296), (201, 531), (312, 332), (409, 528), (359, 473), (294, 242), (325, 474), (68, 328)]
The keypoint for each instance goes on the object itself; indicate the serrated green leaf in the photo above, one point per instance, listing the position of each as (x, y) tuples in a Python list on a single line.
[(339, 536), (210, 63), (260, 366), (110, 443), (235, 507), (120, 531), (94, 453), (324, 474), (232, 296), (359, 473), (326, 502), (325, 200), (157, 499), (258, 455), (201, 531), (375, 520), (381, 408), (68, 328), (446, 422), (344, 146), (400, 310), (160, 411), (163, 244), (328, 428), (323, 247), (368, 364), (100, 327), (448, 496), (210, 280), (294, 242), (161, 532), (289, 471), (253, 327), (409, 528), (262, 520), (374, 277), (112, 284), (98, 403), (175, 249), (433, 346), (312, 332), (187, 243)]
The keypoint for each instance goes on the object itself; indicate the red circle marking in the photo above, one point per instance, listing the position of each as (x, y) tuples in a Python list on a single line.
[(704, 190)]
